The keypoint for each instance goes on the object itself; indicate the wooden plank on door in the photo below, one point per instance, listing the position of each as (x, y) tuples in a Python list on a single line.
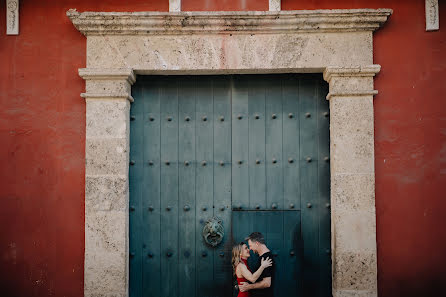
[(222, 181), (291, 142), (169, 187), (240, 142), (242, 226), (258, 223), (292, 277), (151, 231), (186, 171), (308, 182), (135, 202), (274, 240), (204, 147), (256, 136), (324, 189), (273, 138)]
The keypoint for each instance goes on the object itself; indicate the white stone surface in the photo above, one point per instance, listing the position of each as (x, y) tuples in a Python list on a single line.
[(223, 53), (106, 253), (353, 229), (105, 192), (275, 5), (353, 192), (174, 5), (432, 15), (338, 42), (12, 17), (355, 293), (107, 118), (355, 272), (351, 135)]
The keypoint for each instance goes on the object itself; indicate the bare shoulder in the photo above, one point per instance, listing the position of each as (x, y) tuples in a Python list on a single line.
[(238, 269)]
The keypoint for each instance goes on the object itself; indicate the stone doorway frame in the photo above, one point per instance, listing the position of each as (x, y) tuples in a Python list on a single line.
[(338, 43)]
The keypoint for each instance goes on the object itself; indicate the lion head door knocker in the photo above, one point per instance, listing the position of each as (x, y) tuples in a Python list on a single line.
[(213, 232)]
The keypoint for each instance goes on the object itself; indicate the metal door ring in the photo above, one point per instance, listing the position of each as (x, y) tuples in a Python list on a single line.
[(213, 232)]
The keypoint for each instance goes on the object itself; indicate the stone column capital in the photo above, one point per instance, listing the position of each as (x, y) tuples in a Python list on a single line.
[(108, 74), (359, 71), (351, 81), (110, 83)]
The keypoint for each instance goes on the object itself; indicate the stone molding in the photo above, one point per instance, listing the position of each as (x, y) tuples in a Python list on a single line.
[(97, 88), (107, 95), (352, 94), (108, 74), (351, 81), (273, 22), (367, 71), (357, 89), (335, 42)]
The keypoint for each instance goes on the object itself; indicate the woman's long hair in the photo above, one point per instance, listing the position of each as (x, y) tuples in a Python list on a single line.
[(236, 254)]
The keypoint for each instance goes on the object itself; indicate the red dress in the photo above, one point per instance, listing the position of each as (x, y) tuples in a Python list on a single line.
[(241, 280)]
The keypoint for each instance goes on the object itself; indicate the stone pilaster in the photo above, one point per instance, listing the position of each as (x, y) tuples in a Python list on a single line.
[(275, 5), (352, 180), (106, 182), (174, 5)]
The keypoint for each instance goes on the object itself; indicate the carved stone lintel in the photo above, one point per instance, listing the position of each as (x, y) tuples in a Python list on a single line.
[(168, 23), (432, 15), (12, 17)]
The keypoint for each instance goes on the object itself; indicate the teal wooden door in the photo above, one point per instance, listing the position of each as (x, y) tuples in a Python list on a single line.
[(251, 150)]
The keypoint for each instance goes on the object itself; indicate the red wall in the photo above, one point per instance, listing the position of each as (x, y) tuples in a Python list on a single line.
[(42, 132)]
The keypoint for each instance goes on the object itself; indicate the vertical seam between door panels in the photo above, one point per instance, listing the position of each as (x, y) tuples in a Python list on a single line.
[(281, 161), (178, 182), (248, 84), (142, 92), (231, 93), (299, 80), (301, 244), (264, 143), (283, 174), (194, 92), (159, 165), (213, 166), (319, 204), (195, 185)]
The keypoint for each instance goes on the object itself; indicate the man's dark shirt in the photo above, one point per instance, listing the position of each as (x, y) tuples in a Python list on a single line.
[(267, 272)]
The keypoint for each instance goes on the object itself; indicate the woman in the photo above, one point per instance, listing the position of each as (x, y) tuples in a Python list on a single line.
[(240, 255)]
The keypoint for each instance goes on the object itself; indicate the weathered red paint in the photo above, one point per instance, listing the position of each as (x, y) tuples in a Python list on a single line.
[(42, 132), (42, 135)]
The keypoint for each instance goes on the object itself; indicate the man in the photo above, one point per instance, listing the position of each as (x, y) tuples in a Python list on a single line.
[(264, 287)]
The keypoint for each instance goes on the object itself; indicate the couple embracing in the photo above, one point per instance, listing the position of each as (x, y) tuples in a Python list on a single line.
[(261, 282)]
